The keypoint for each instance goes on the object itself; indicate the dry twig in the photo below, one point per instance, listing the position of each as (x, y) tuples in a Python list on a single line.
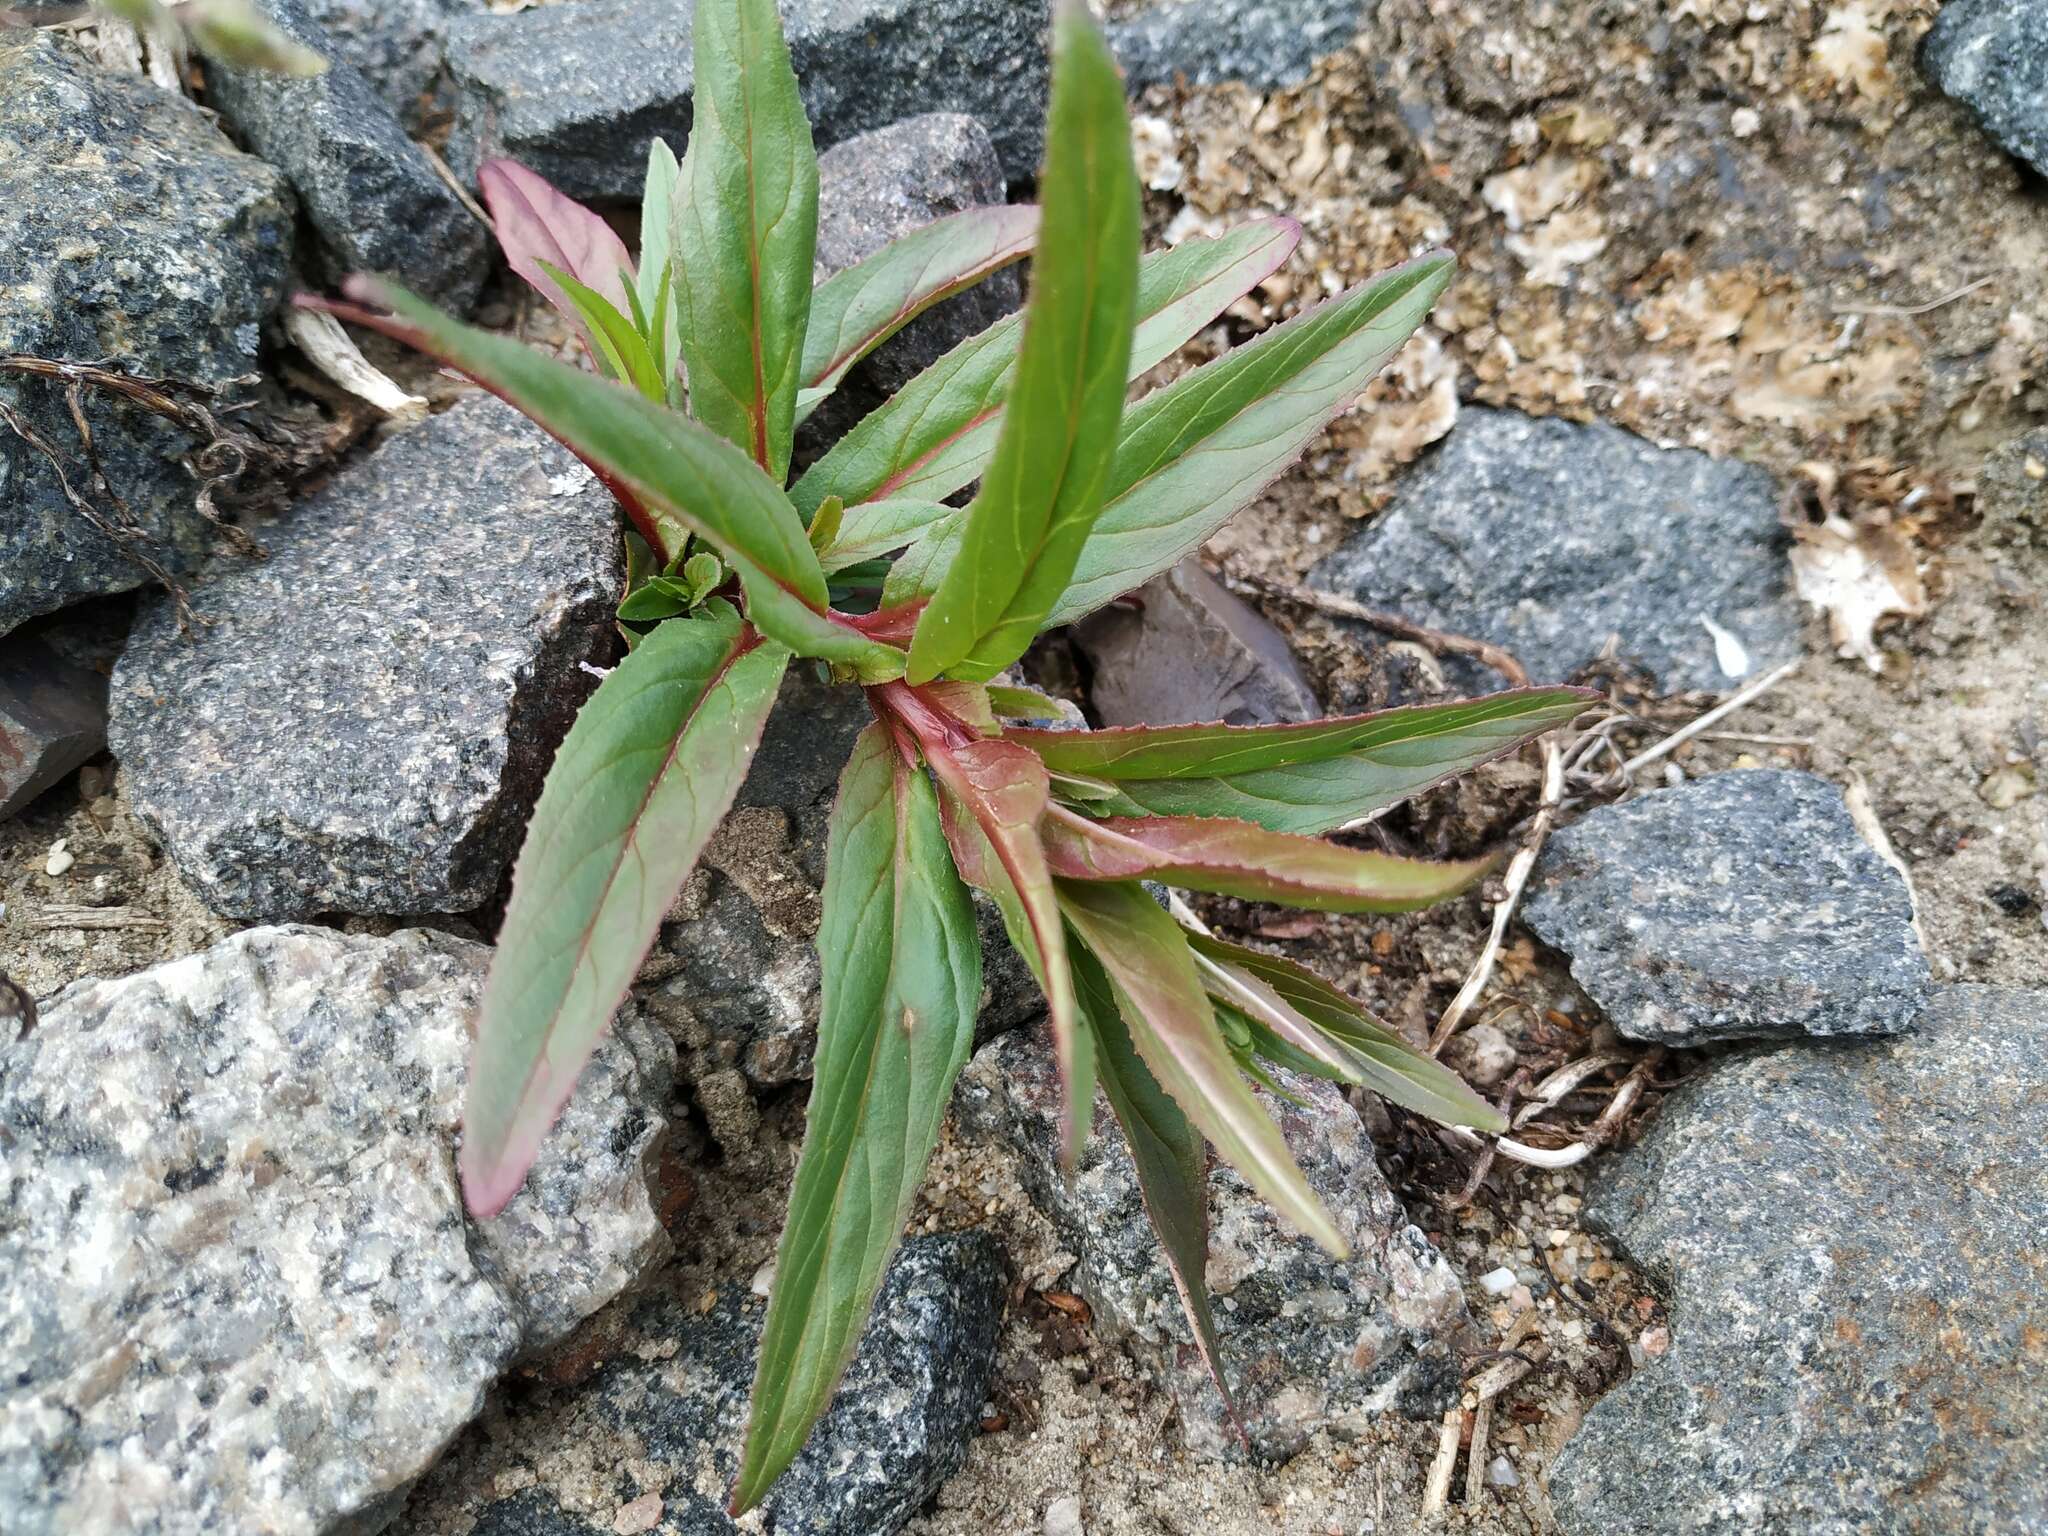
[(61, 916), (224, 452)]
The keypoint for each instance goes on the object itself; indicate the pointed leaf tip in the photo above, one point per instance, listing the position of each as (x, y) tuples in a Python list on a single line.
[(1044, 485)]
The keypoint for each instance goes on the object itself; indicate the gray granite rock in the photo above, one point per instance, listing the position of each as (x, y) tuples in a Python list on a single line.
[(1850, 1237), (364, 721), (578, 92), (1308, 1343), (1264, 43), (1992, 56), (882, 184), (131, 233), (2012, 492), (1188, 649), (737, 955), (53, 717), (900, 1425), (1547, 537), (237, 1289), (1739, 906), (376, 201), (399, 45)]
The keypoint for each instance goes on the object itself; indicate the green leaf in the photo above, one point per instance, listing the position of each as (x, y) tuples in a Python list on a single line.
[(647, 771), (1201, 449), (902, 978), (235, 33), (659, 597), (655, 281), (621, 347), (701, 575), (1044, 485), (855, 311), (1374, 1053), (994, 795), (1172, 1164), (877, 528), (1206, 445), (935, 435), (673, 477), (824, 527), (746, 230), (1161, 998), (1242, 859), (1308, 778), (1013, 703)]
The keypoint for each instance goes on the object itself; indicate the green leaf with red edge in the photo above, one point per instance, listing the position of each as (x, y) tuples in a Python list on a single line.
[(901, 962), (1243, 859), (1194, 453), (935, 435), (1307, 778), (1378, 1057), (1161, 999), (672, 476), (1166, 1150), (539, 227), (855, 311), (745, 231), (993, 796), (646, 773), (1044, 484)]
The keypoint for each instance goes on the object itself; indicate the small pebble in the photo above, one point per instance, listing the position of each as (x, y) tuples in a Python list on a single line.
[(643, 1514), (1498, 1282), (1501, 1473), (763, 1283), (60, 859), (1063, 1518)]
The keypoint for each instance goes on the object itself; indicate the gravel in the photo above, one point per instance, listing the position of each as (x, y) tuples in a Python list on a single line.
[(578, 92), (376, 201), (133, 234), (1742, 905), (1266, 44), (899, 1426), (1186, 649), (237, 1288), (1850, 1238), (1548, 537), (1309, 1343), (53, 717), (1992, 56), (880, 185), (364, 719)]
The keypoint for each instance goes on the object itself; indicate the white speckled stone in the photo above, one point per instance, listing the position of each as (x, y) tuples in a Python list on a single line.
[(1742, 905), (1851, 1236), (364, 721), (1547, 536), (238, 1293)]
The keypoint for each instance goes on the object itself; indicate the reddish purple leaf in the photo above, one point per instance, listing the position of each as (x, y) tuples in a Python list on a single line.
[(537, 224), (993, 798)]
